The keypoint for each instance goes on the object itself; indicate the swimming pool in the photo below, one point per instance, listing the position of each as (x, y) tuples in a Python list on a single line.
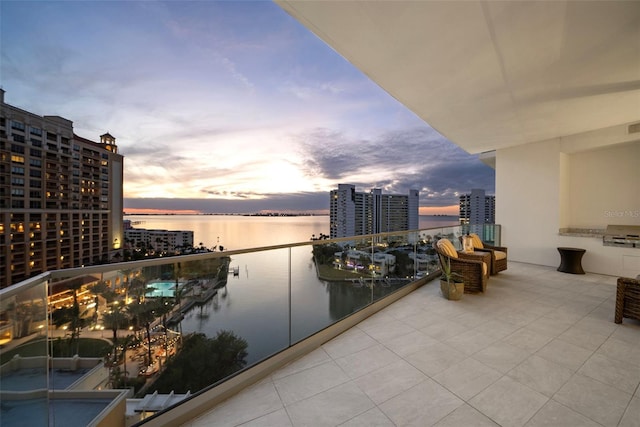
[(161, 289), (62, 412), (36, 378)]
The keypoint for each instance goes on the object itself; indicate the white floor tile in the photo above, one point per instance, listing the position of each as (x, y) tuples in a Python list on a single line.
[(542, 375), (508, 403), (330, 408), (467, 378), (593, 399), (309, 382), (415, 363), (421, 405)]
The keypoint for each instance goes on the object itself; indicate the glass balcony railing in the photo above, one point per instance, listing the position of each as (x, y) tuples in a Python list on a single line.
[(186, 324)]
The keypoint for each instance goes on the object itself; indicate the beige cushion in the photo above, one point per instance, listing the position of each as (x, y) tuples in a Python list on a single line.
[(447, 248), (477, 243), (499, 255), (484, 269)]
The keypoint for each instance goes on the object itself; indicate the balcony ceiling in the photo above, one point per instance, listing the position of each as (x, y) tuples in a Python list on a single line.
[(490, 75)]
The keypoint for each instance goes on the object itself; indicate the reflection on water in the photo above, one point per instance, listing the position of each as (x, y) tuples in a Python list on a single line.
[(254, 304)]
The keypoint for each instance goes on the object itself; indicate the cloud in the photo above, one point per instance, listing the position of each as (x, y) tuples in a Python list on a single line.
[(232, 102), (396, 161)]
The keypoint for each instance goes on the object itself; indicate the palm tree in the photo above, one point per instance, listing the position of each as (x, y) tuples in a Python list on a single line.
[(137, 287), (146, 316), (115, 320), (176, 276), (127, 340), (77, 322)]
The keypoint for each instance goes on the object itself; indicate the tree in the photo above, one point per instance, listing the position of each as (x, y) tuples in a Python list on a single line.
[(203, 361), (176, 277), (114, 320), (324, 254), (143, 314), (101, 288), (136, 287), (73, 315), (404, 264)]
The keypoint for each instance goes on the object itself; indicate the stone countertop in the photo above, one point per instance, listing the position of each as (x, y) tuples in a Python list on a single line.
[(582, 232)]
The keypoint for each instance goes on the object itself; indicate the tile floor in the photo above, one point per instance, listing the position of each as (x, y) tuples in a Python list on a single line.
[(539, 348)]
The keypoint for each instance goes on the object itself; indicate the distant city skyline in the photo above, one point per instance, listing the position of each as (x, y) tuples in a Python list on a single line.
[(224, 107)]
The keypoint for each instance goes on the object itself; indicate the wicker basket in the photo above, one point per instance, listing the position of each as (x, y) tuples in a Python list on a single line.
[(627, 299)]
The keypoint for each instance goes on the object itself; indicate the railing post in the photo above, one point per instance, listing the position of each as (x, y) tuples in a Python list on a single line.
[(290, 308)]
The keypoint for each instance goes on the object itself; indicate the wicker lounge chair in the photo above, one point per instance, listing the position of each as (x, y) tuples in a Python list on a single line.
[(498, 253), (474, 270), (627, 299)]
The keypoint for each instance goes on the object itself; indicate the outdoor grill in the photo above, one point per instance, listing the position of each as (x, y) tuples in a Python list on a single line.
[(626, 236)]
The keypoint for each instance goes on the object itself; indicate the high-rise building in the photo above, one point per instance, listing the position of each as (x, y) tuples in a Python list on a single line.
[(354, 214), (60, 195), (160, 240), (477, 208)]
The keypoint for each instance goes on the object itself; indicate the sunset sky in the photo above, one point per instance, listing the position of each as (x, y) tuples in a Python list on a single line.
[(223, 106)]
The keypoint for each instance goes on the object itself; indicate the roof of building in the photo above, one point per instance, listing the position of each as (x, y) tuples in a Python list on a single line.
[(491, 75)]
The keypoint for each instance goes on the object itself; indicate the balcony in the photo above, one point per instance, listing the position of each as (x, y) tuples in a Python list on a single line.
[(537, 347)]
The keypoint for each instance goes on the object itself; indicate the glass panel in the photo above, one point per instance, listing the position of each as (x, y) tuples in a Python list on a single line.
[(240, 305), (488, 233), (209, 314), (427, 259), (323, 289), (389, 265), (23, 356)]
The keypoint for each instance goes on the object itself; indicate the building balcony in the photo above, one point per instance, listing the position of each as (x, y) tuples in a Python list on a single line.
[(539, 347)]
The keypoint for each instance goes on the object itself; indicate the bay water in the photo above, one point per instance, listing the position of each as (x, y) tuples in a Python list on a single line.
[(276, 299), (235, 232)]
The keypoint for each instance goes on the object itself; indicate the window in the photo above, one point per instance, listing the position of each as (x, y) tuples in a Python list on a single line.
[(18, 170), (36, 163), (35, 152), (17, 180), (17, 125), (34, 183), (18, 138), (17, 159), (17, 148), (76, 147), (36, 131), (17, 204), (17, 192), (36, 142), (35, 204), (34, 173)]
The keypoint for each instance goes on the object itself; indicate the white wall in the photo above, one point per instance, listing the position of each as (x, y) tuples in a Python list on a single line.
[(606, 187), (527, 201), (539, 190)]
